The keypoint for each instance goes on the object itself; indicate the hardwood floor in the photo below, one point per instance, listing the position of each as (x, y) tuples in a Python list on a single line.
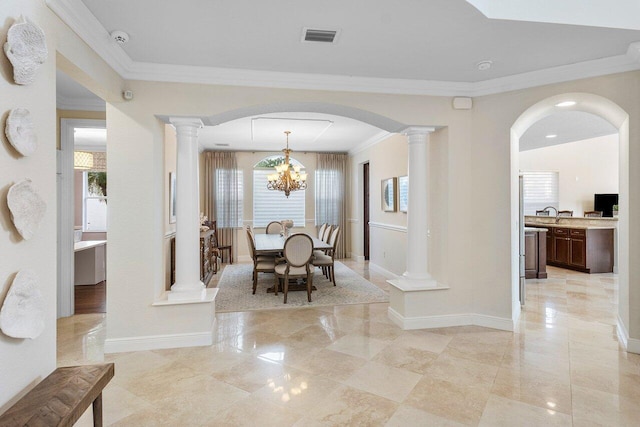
[(91, 298)]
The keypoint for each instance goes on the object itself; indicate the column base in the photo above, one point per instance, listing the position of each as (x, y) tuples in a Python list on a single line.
[(406, 284), (187, 292)]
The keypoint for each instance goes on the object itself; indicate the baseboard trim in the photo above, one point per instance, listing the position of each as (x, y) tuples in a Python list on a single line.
[(632, 345), (386, 273), (155, 342), (449, 320)]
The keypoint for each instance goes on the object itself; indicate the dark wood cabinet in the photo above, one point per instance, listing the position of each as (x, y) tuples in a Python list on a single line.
[(208, 257), (584, 249), (535, 260)]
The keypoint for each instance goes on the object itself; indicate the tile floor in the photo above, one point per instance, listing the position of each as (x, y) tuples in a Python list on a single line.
[(349, 365)]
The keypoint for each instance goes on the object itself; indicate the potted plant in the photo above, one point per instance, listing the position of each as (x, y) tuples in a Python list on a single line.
[(615, 210)]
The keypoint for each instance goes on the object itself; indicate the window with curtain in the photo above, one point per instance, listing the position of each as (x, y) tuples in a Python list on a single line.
[(223, 193), (330, 184), (272, 205), (540, 189)]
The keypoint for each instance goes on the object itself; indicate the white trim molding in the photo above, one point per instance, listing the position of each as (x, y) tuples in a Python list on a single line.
[(632, 345), (155, 342), (392, 227), (448, 320), (78, 17)]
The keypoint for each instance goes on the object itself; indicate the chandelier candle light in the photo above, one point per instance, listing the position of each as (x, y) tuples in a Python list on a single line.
[(287, 178)]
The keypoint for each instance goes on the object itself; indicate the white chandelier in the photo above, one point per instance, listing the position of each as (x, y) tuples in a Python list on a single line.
[(287, 178)]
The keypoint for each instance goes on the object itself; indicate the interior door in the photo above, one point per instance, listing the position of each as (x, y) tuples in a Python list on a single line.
[(365, 204)]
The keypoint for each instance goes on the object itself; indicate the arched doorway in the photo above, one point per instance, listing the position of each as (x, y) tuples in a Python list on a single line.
[(611, 112)]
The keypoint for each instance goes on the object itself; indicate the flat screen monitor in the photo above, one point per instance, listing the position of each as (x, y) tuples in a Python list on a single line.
[(604, 203)]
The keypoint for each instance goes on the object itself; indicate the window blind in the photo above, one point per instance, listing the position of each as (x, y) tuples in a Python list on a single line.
[(540, 189), (270, 205)]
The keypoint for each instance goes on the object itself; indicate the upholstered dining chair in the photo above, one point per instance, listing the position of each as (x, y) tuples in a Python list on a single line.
[(327, 261), (593, 214), (565, 213), (261, 264), (298, 251), (321, 230), (274, 227), (229, 248)]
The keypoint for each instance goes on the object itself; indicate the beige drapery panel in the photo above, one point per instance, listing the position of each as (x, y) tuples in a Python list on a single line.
[(221, 193), (331, 194)]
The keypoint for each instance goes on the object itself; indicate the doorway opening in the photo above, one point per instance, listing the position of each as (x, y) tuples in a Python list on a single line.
[(618, 120)]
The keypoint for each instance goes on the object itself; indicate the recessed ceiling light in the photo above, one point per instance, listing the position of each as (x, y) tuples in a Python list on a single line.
[(551, 136), (484, 65), (566, 104)]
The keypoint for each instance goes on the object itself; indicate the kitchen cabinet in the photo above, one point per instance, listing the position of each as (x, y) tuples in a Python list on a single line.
[(535, 260), (581, 248)]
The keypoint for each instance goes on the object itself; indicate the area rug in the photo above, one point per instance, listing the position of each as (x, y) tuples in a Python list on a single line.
[(235, 290)]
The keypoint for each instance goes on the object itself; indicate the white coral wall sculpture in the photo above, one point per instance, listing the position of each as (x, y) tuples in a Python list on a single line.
[(26, 48), (21, 131), (27, 208), (22, 313)]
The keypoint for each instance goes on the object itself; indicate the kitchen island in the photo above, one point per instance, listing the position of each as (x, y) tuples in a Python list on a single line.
[(582, 244)]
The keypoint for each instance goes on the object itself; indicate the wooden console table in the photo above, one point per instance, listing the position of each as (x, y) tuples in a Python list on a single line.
[(61, 398)]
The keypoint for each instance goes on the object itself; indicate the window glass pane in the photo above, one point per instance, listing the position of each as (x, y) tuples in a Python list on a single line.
[(223, 198), (270, 205), (540, 189), (95, 214)]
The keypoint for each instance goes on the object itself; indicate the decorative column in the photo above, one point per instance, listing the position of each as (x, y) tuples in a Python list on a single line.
[(410, 301), (188, 285)]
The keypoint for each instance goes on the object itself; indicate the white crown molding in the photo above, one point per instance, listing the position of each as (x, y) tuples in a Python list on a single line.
[(378, 137), (75, 14), (81, 104), (78, 17)]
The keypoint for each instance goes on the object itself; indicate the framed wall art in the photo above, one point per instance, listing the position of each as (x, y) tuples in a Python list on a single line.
[(403, 193), (389, 194), (172, 197)]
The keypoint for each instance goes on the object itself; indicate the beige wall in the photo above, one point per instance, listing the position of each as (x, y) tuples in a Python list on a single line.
[(36, 358), (585, 168), (471, 190)]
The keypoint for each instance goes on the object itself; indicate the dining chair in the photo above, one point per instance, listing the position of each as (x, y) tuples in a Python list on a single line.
[(543, 212), (298, 251), (593, 214), (261, 264), (565, 213), (274, 227), (321, 230), (327, 261), (327, 233), (229, 248)]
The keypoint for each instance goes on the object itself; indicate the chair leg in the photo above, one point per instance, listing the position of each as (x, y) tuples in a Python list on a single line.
[(255, 281), (333, 274), (276, 286), (286, 287), (309, 285)]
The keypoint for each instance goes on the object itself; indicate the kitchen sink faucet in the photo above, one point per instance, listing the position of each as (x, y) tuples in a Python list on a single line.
[(555, 209)]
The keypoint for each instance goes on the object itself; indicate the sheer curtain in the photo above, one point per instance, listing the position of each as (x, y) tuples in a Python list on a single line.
[(331, 203), (221, 193)]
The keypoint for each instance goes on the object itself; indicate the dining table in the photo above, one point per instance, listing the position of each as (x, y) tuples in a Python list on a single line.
[(274, 243)]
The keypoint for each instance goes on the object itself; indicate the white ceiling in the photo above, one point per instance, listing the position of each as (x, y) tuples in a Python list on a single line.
[(72, 96), (568, 126), (405, 46)]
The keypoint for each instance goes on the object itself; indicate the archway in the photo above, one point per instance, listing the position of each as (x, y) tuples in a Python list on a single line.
[(611, 112)]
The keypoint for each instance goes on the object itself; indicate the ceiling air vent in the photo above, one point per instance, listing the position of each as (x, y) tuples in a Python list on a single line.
[(322, 36)]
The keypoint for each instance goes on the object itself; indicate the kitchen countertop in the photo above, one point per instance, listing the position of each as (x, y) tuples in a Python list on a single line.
[(536, 229), (581, 227), (87, 244)]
